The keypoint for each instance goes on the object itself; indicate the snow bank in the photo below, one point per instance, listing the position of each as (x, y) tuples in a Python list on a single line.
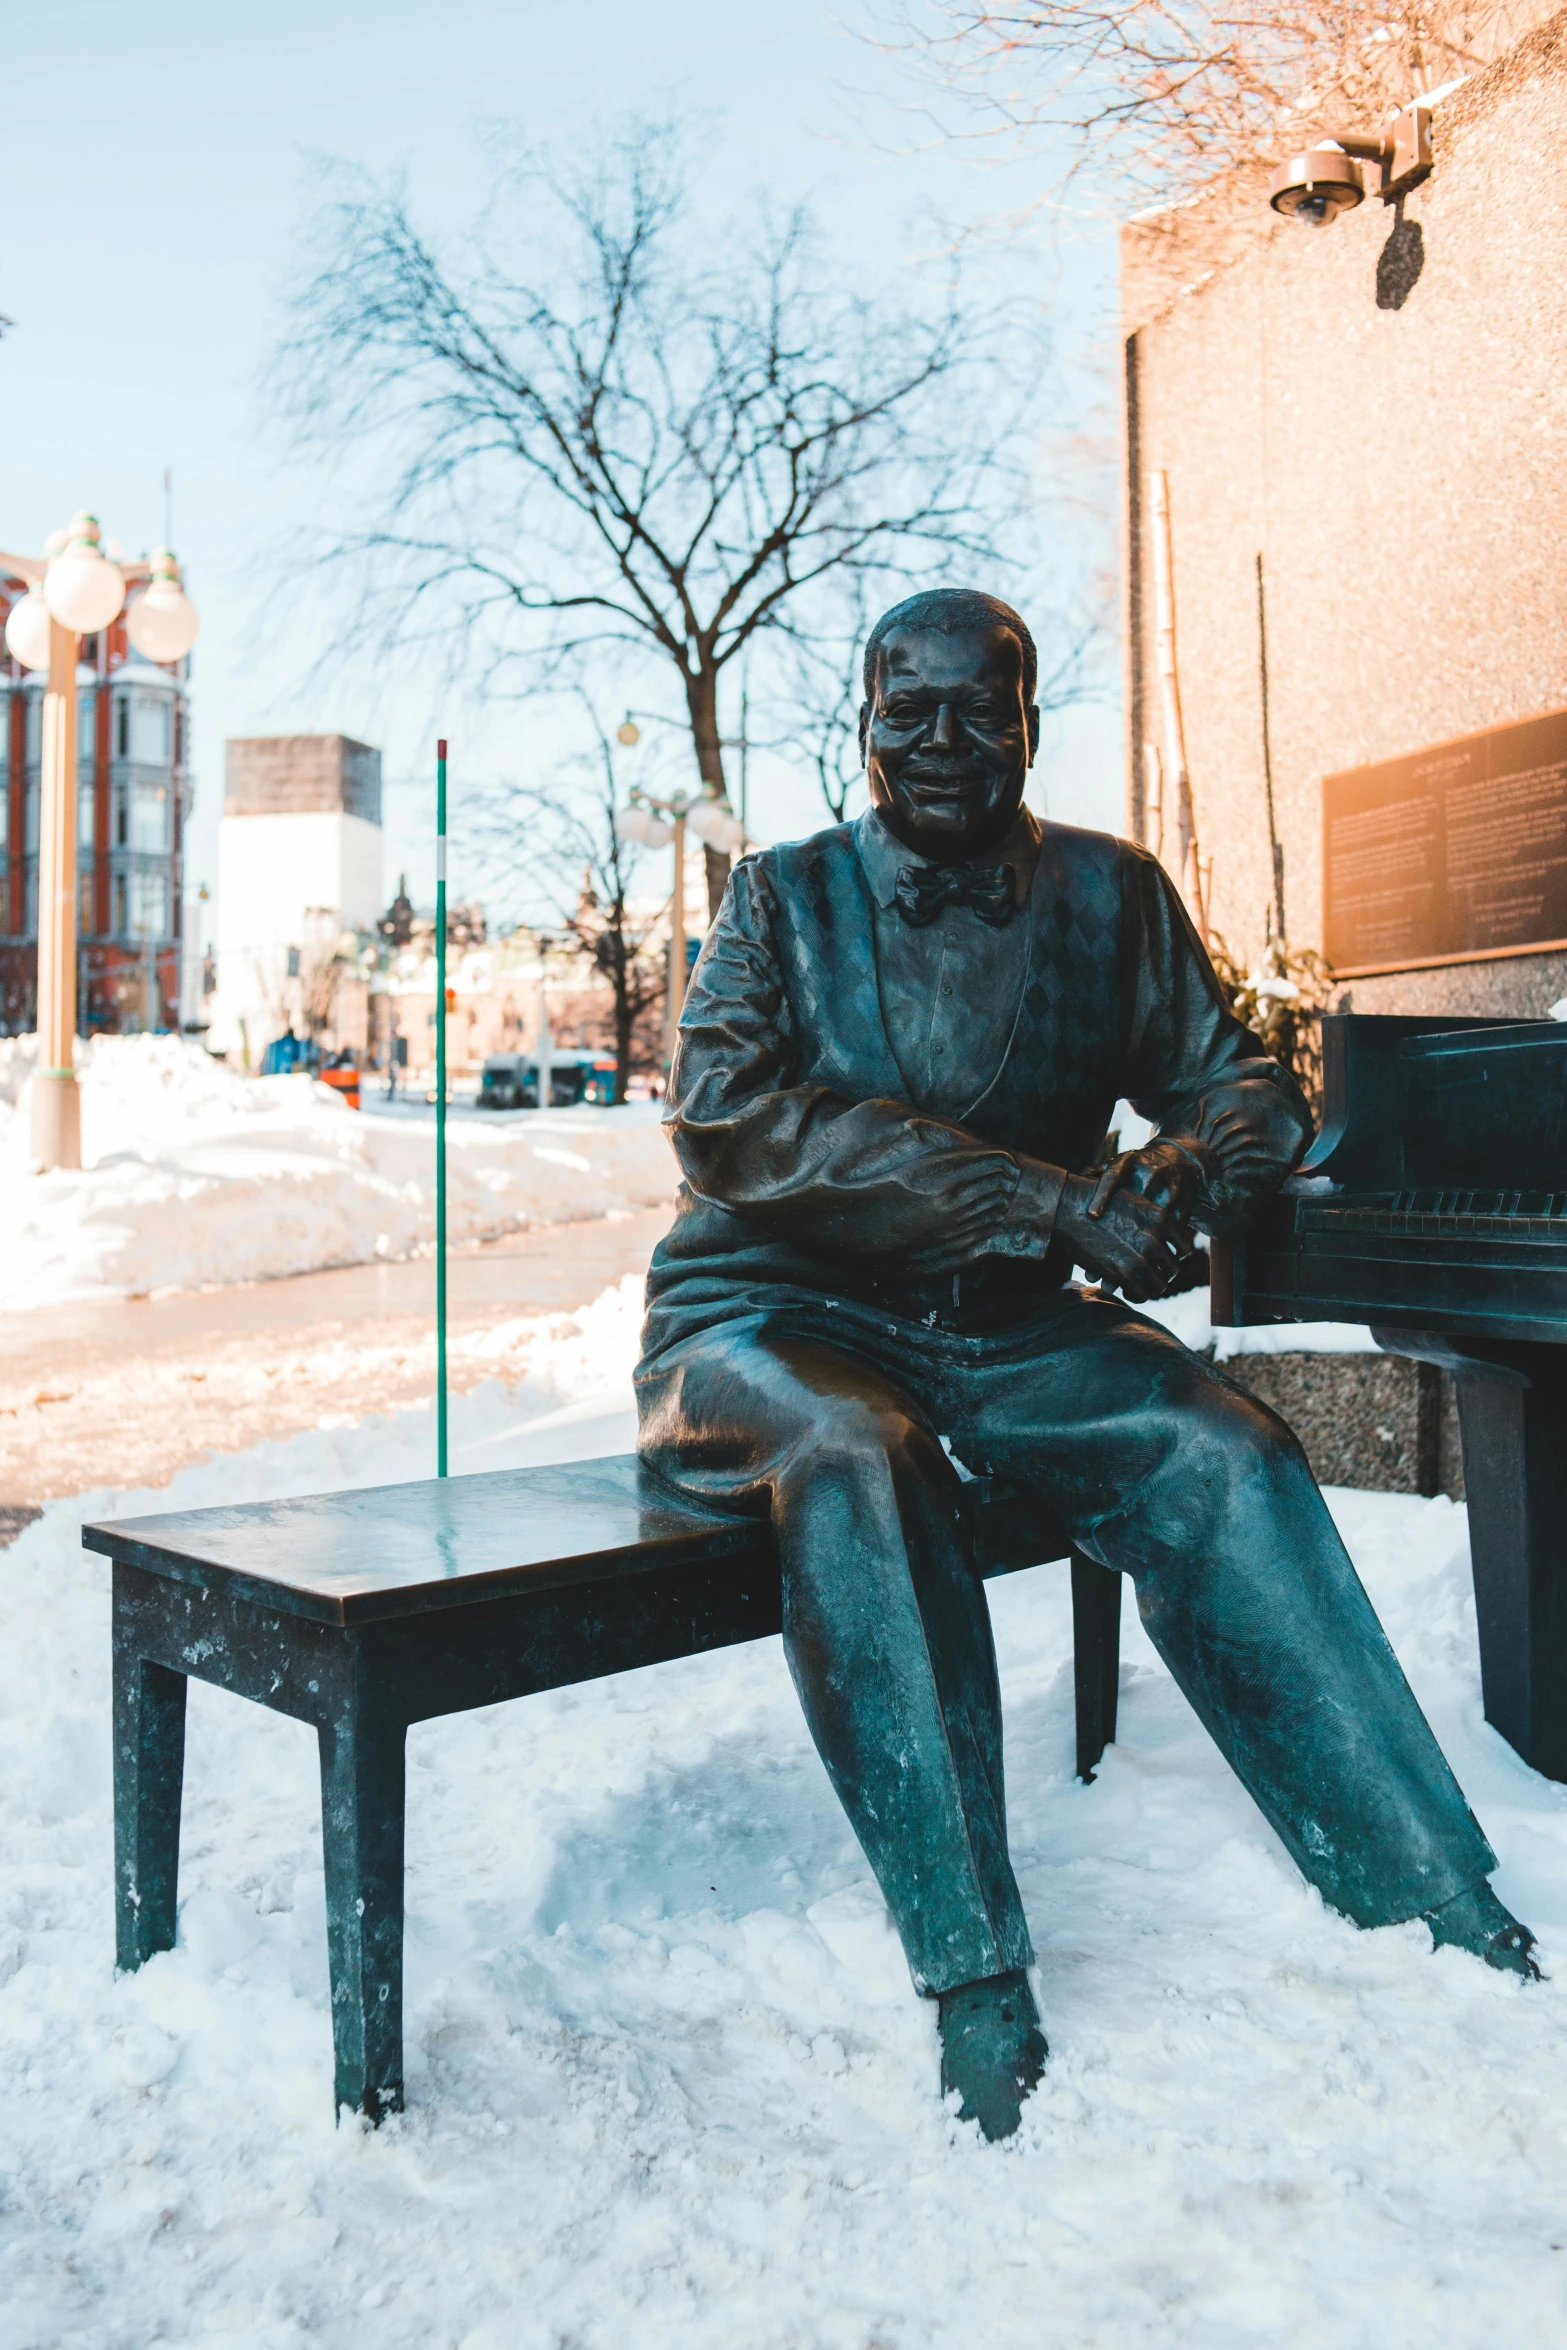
[(194, 1174), (669, 2086), (1187, 1316)]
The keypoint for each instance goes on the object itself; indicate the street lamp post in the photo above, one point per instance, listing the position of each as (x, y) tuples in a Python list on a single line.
[(544, 1055), (675, 986), (57, 1124), (653, 821), (74, 590)]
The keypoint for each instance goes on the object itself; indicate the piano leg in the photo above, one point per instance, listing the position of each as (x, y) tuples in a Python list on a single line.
[(1512, 1413)]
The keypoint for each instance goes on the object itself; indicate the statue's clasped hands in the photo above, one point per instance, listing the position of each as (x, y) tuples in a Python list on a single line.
[(1132, 1225)]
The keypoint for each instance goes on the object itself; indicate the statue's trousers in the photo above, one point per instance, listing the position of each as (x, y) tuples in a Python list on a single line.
[(830, 1415)]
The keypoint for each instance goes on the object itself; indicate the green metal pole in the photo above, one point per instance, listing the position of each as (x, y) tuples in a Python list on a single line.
[(440, 1109)]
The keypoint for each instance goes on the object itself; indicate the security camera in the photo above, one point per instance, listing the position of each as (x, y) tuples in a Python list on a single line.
[(1316, 186)]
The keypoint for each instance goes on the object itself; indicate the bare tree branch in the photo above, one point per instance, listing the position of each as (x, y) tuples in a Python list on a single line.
[(583, 428), (1169, 93), (561, 843)]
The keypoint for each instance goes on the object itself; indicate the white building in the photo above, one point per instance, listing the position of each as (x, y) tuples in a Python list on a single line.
[(300, 872)]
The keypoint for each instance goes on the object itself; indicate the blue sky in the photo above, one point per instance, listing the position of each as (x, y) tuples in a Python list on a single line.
[(160, 162)]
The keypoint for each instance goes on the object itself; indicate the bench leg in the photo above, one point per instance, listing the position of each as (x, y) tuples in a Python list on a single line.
[(1096, 1657), (149, 1772), (362, 1800)]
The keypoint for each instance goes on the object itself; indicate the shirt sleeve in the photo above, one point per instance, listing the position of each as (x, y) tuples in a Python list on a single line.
[(1191, 1067), (874, 1176)]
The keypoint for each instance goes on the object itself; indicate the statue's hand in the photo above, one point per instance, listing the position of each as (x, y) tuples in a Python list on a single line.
[(968, 1230), (1167, 1171), (1132, 1225), (1030, 1223)]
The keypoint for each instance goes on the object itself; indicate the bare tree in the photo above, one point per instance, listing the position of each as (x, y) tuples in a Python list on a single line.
[(322, 963), (583, 426), (829, 704), (1173, 93), (560, 842)]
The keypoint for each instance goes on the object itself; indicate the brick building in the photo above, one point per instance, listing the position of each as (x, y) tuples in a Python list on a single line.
[(134, 795)]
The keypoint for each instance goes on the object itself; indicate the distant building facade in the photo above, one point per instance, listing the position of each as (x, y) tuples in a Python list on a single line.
[(300, 892), (496, 994), (133, 801)]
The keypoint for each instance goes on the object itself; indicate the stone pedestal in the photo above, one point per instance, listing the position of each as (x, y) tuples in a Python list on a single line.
[(1376, 1421)]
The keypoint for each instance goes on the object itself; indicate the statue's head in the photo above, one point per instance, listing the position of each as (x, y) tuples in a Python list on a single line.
[(949, 729)]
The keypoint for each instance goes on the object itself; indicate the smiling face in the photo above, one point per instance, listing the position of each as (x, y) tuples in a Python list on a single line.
[(948, 738)]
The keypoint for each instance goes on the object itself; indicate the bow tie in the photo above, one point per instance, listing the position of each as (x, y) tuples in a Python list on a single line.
[(923, 890)]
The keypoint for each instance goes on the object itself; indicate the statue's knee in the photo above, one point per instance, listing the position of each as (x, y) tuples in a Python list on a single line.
[(1261, 1438), (880, 1430), (1214, 1445), (861, 1439), (1242, 1454)]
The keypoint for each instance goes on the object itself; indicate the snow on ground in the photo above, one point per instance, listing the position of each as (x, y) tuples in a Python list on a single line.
[(194, 1174), (1187, 1316), (669, 2086)]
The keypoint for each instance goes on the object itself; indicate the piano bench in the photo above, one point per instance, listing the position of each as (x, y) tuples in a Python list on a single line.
[(364, 1612)]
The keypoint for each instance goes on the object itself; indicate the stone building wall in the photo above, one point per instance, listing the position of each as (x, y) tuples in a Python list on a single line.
[(1378, 410)]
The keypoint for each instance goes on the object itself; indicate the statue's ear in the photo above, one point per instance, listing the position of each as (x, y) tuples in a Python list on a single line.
[(1033, 733), (865, 724)]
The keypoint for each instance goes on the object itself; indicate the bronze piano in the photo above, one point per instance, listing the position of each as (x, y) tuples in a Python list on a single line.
[(1433, 1206)]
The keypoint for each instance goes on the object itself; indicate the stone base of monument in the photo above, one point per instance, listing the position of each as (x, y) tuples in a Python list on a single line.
[(1380, 1422)]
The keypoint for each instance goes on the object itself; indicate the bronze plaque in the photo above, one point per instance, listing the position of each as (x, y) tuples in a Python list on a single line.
[(1451, 855)]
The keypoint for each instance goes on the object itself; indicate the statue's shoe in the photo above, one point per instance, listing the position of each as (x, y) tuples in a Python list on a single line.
[(992, 2050), (1477, 1921)]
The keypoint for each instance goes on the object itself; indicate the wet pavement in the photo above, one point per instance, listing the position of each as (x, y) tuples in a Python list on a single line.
[(126, 1391)]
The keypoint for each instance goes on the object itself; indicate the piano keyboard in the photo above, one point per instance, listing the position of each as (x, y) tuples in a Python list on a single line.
[(1443, 1215)]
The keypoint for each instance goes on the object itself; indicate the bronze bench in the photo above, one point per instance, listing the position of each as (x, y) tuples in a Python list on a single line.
[(362, 1612)]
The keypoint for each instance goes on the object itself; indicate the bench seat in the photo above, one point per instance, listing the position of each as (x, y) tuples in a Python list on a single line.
[(362, 1612)]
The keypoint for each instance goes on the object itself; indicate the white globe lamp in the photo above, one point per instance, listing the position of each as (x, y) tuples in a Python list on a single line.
[(162, 622), (27, 630), (643, 828), (715, 824), (82, 588)]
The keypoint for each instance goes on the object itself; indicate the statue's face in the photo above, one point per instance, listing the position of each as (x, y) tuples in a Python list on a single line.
[(948, 738)]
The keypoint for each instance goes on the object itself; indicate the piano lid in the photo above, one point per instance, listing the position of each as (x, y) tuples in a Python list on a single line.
[(1442, 1104)]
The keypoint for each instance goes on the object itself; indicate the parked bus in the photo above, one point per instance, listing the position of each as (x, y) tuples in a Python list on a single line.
[(510, 1081)]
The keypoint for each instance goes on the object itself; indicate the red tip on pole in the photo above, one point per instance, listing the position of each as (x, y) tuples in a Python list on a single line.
[(440, 748)]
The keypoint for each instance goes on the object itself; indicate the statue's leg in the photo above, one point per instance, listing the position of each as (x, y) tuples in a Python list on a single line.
[(885, 1625), (1164, 1469)]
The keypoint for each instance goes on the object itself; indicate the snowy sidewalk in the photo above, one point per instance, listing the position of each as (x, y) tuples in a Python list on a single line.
[(669, 2087)]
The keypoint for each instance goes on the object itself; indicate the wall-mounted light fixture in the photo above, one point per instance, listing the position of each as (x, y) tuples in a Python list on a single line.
[(1315, 187)]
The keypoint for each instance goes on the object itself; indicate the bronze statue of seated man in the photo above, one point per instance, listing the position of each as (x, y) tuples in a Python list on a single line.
[(898, 1060)]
